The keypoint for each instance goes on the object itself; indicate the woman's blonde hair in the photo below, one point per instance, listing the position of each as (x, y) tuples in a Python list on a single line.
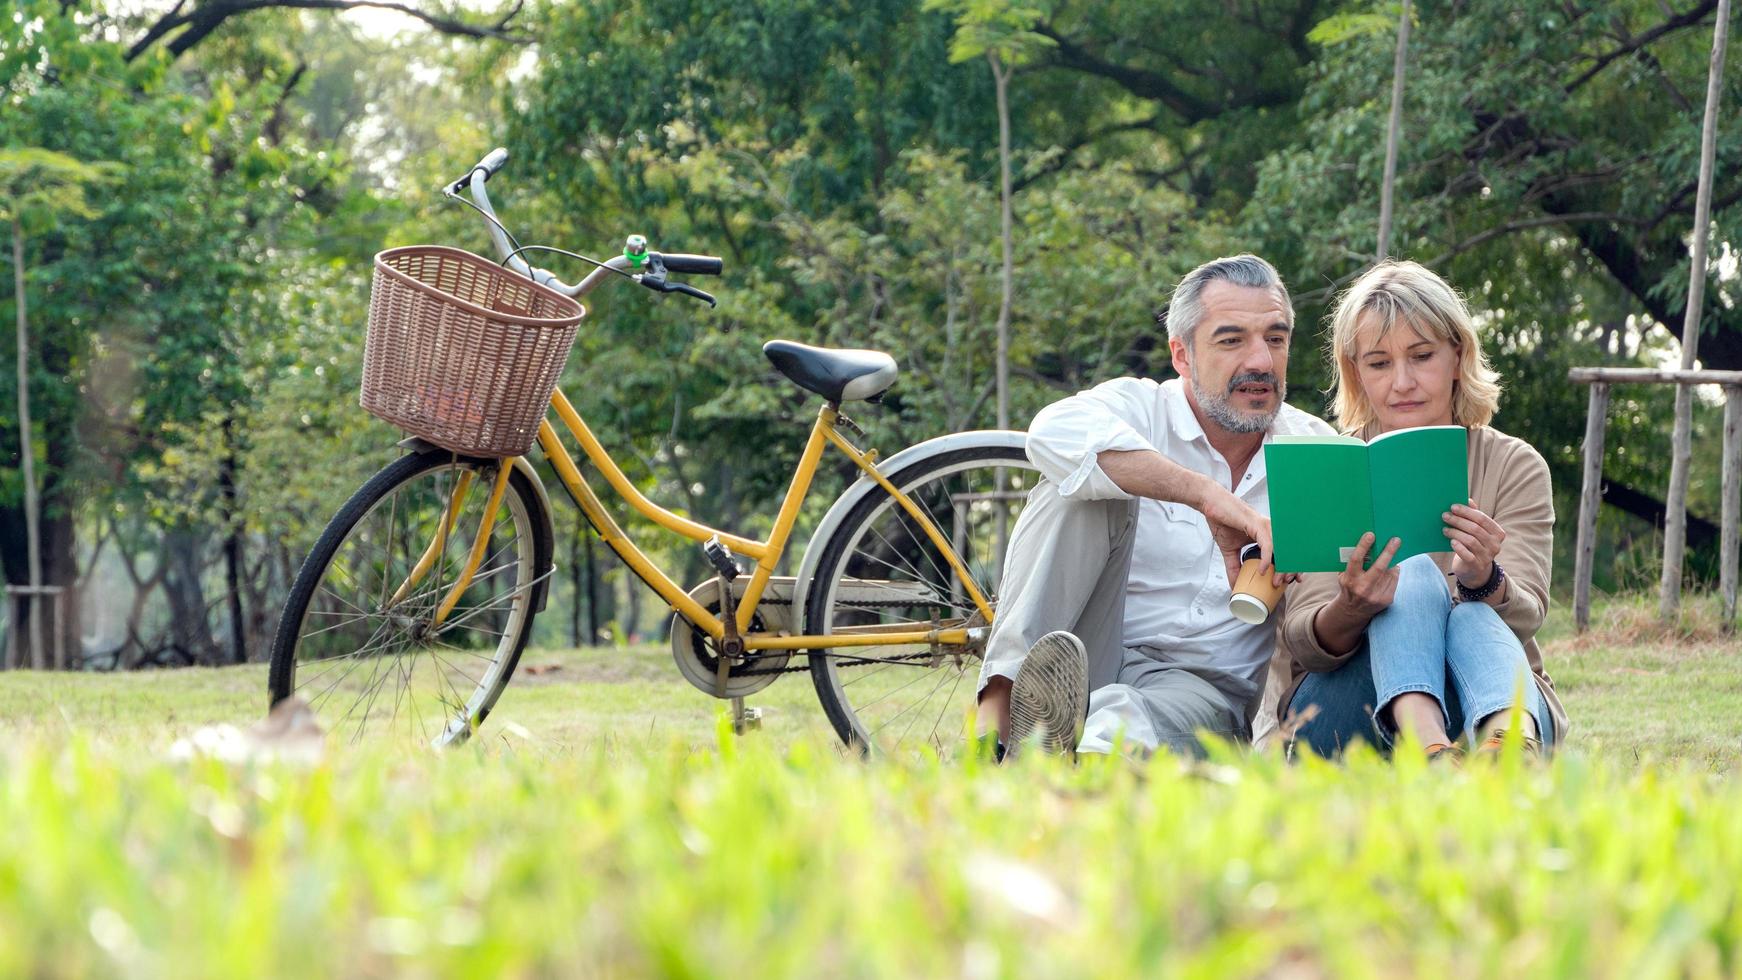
[(1409, 293)]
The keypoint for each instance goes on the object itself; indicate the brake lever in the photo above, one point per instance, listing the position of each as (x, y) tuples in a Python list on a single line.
[(454, 189), (689, 290), (656, 281)]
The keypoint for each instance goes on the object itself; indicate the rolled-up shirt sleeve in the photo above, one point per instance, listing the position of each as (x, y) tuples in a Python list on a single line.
[(1067, 437)]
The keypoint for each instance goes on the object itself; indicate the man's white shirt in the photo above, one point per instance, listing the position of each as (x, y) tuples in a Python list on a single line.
[(1176, 598)]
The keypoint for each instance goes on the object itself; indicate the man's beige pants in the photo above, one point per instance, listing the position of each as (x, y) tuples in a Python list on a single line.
[(1066, 569)]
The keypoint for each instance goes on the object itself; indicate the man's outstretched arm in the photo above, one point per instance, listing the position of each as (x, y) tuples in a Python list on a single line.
[(1233, 522)]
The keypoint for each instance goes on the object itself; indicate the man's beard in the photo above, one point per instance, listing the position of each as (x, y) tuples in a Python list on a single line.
[(1224, 414)]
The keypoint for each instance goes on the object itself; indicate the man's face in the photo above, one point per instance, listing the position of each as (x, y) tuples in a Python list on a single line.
[(1237, 367)]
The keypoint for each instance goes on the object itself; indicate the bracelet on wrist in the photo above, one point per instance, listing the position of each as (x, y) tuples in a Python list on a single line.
[(1467, 594)]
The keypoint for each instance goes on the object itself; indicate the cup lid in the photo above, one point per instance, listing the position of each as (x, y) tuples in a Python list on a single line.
[(1248, 609)]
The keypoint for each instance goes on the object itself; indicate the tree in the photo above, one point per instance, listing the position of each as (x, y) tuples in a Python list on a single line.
[(37, 189), (1004, 35)]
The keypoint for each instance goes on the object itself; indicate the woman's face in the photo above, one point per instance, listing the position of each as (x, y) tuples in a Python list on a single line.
[(1408, 376)]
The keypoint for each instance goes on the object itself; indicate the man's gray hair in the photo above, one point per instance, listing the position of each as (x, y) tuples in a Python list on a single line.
[(1186, 308)]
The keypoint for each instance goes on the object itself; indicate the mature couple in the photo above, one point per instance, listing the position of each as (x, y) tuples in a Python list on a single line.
[(1114, 623)]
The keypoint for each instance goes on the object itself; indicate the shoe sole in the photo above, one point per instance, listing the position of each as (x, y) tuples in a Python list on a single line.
[(1050, 695)]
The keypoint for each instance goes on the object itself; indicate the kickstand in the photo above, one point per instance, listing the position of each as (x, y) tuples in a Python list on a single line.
[(745, 719)]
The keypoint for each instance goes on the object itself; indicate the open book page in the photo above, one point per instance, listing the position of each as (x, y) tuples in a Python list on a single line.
[(1418, 474), (1320, 499)]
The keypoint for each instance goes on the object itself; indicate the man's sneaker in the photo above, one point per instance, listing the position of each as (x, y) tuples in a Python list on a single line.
[(1050, 695)]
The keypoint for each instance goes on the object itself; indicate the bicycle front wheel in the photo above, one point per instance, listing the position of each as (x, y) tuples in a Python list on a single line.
[(364, 638), (880, 570)]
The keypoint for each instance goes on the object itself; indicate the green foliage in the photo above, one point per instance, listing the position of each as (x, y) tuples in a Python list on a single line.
[(1005, 29), (37, 186), (1339, 28)]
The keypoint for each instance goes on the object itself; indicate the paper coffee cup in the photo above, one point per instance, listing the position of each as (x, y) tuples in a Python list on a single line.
[(1254, 596)]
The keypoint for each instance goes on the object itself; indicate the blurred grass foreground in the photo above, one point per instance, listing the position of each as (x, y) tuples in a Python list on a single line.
[(751, 859), (603, 825)]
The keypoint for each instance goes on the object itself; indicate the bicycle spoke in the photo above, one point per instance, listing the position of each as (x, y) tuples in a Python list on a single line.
[(916, 574), (892, 576), (949, 699), (917, 677), (328, 629), (352, 658), (400, 687), (366, 700), (898, 715), (360, 610)]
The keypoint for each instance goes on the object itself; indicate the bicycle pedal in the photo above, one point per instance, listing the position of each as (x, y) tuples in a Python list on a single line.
[(721, 558)]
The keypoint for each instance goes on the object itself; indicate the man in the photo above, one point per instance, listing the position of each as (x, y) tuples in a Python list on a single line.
[(1116, 584)]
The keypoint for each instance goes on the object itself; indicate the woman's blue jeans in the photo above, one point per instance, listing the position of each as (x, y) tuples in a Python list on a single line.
[(1459, 653)]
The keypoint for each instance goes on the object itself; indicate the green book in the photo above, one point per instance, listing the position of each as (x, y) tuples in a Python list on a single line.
[(1327, 491)]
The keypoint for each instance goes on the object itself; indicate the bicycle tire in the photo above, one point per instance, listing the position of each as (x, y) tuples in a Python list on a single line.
[(824, 605), (532, 544)]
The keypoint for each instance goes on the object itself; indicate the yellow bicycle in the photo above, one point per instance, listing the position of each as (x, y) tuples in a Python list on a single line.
[(412, 609)]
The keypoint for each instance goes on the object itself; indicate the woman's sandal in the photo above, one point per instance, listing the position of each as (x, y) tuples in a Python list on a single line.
[(1532, 746), (1444, 753)]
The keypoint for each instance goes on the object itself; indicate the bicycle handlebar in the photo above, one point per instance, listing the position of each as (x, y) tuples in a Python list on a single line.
[(493, 161), (637, 257), (695, 265)]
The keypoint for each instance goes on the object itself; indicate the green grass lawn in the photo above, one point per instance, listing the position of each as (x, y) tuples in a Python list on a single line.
[(602, 825)]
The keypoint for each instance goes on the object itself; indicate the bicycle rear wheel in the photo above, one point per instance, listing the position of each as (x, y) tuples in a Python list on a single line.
[(358, 639), (880, 570)]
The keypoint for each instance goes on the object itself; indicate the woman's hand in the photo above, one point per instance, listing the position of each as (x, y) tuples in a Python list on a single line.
[(1476, 541), (1366, 592), (1362, 593)]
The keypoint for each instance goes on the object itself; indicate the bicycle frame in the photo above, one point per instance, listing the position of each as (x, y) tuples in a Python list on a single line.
[(766, 553)]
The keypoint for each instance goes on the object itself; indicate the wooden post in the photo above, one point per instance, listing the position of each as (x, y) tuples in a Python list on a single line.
[(1727, 552), (60, 612), (1675, 507), (1623, 376), (1596, 421), (1393, 130), (27, 455)]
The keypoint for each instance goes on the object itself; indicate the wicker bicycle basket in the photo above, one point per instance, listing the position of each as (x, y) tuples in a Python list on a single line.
[(461, 351)]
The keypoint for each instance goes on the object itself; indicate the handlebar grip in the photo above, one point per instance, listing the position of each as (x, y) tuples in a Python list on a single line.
[(695, 265), (493, 161)]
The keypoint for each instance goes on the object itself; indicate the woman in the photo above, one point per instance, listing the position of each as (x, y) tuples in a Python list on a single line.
[(1441, 646)]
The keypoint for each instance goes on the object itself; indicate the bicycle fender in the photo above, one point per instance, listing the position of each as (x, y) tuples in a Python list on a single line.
[(864, 486), (524, 465)]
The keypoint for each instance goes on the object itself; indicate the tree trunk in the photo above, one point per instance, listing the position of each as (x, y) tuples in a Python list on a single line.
[(190, 626), (60, 569), (629, 613), (1674, 539), (232, 512), (27, 456), (1001, 84), (592, 588), (575, 571), (1006, 284)]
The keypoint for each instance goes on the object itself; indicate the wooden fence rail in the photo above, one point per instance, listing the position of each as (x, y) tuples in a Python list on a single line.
[(1596, 423)]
